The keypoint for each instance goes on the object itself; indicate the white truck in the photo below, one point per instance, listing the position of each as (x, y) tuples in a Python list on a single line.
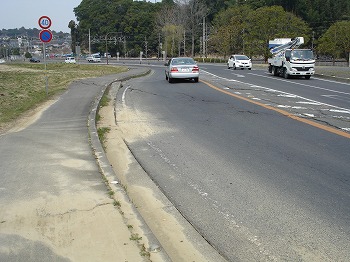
[(289, 61)]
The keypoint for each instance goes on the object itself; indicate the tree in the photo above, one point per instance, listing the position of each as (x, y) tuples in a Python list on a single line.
[(230, 28), (73, 32), (171, 22), (336, 40), (195, 11), (27, 55), (214, 7), (175, 19), (133, 19), (240, 29), (267, 23)]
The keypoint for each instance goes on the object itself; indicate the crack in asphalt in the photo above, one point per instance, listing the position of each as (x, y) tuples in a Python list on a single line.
[(42, 212)]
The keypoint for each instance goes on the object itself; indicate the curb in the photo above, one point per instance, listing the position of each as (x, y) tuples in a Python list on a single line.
[(335, 78), (105, 167)]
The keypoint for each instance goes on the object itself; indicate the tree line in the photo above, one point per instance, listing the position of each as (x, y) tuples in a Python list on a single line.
[(210, 28)]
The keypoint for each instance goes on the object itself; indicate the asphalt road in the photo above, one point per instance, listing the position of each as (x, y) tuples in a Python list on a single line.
[(247, 161)]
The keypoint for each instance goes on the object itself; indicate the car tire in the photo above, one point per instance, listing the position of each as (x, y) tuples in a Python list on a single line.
[(196, 79), (234, 67), (170, 80), (307, 77), (228, 66), (285, 74)]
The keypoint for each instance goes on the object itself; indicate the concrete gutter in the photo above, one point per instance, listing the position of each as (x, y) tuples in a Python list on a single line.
[(107, 171)]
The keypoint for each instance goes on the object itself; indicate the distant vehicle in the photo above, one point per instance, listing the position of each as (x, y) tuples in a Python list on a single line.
[(70, 60), (181, 68), (288, 60), (239, 61), (34, 60), (94, 58)]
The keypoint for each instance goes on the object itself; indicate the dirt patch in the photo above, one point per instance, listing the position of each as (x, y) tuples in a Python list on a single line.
[(75, 226)]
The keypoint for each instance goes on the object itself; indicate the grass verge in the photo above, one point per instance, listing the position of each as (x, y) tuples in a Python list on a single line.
[(23, 85)]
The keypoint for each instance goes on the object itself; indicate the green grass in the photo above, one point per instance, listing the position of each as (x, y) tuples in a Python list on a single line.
[(102, 132), (135, 237), (104, 100), (23, 85)]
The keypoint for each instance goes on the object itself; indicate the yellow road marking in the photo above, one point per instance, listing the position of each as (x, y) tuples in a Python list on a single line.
[(283, 112)]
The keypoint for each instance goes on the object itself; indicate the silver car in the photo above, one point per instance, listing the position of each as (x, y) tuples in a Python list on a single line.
[(181, 68)]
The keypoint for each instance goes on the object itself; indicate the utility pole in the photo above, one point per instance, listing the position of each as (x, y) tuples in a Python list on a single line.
[(203, 45), (89, 42), (184, 42), (158, 45), (124, 47), (243, 31), (146, 46)]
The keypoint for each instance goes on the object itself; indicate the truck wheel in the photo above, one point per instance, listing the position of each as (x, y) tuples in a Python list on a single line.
[(275, 71), (285, 74)]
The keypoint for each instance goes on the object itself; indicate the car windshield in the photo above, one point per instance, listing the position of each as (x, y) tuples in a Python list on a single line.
[(183, 61), (242, 57)]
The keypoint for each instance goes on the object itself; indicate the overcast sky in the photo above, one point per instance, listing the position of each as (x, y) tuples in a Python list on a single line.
[(26, 13)]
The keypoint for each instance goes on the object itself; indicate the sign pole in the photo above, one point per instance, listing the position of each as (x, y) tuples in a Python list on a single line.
[(45, 36), (45, 71)]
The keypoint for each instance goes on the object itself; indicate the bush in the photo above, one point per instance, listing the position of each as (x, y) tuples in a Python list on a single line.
[(27, 55), (210, 60)]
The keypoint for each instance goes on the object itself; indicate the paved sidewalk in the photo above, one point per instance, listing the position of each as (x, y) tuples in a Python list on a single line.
[(54, 204)]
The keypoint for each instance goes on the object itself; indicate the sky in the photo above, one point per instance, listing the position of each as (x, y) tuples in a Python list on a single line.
[(26, 13)]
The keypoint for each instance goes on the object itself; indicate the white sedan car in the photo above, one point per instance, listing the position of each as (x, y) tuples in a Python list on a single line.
[(239, 61), (181, 68), (70, 60)]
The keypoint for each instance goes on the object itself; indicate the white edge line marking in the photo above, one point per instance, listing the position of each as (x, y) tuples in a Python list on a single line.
[(123, 96), (320, 88), (290, 94)]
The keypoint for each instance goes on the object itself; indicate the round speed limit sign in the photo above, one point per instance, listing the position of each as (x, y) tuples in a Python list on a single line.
[(44, 22)]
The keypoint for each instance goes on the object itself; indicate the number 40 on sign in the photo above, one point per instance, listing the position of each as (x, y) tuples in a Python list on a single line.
[(44, 22)]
